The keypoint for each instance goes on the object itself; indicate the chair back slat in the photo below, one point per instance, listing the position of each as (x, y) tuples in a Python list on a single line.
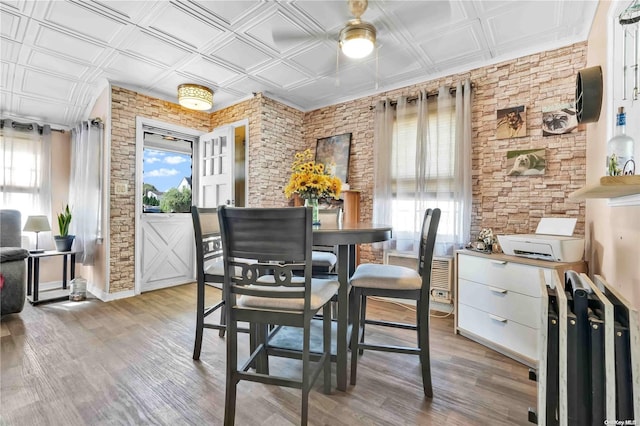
[(280, 238)]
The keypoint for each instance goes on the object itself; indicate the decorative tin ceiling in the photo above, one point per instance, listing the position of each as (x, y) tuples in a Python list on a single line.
[(56, 55)]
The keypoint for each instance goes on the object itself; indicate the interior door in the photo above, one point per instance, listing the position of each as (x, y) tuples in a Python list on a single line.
[(216, 156)]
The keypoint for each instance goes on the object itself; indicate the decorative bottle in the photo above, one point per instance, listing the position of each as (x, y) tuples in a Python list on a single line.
[(620, 149)]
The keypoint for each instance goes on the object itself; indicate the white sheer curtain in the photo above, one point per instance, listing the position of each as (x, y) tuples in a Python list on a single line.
[(423, 160), (25, 182), (85, 188)]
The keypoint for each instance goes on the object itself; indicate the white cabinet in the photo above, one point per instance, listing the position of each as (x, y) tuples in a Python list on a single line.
[(498, 300)]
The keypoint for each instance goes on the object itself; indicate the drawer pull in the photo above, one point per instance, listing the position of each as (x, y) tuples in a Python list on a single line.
[(499, 262), (497, 318), (498, 290)]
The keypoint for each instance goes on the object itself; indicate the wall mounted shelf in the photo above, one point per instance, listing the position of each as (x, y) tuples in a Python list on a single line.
[(609, 187)]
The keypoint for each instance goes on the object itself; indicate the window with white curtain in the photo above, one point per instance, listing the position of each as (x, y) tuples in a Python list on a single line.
[(406, 213), (25, 181)]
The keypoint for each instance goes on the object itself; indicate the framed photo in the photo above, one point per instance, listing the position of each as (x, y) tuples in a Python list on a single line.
[(559, 119), (511, 123), (530, 162), (334, 153)]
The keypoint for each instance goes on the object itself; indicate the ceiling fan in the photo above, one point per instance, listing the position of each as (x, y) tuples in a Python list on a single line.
[(358, 38)]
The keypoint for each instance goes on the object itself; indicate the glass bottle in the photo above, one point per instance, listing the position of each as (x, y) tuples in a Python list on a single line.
[(620, 149)]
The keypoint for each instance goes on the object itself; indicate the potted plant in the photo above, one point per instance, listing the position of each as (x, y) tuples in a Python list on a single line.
[(64, 240)]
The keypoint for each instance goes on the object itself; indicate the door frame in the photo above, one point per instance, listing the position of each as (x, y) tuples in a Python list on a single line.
[(140, 123)]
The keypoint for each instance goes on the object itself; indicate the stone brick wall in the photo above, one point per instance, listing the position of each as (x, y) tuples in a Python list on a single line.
[(126, 105), (508, 204)]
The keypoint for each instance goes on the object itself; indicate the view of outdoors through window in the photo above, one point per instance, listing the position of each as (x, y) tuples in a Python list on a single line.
[(166, 182)]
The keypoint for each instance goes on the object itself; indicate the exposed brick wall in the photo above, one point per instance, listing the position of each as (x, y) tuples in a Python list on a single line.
[(126, 105), (508, 204)]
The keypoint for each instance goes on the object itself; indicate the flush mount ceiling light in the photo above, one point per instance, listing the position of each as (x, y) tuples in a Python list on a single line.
[(194, 96), (358, 38)]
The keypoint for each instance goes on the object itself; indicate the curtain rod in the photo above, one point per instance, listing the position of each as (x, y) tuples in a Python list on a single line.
[(28, 126), (452, 91)]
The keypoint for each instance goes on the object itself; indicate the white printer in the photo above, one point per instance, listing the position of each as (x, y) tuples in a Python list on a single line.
[(553, 241)]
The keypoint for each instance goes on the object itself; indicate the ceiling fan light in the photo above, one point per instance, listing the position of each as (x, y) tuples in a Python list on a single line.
[(357, 40), (194, 96)]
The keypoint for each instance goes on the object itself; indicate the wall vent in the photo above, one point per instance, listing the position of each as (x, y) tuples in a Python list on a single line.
[(441, 273)]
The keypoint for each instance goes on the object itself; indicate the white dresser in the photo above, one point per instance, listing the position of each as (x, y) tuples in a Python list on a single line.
[(498, 300)]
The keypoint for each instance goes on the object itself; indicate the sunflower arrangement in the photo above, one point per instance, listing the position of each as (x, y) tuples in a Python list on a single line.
[(310, 179)]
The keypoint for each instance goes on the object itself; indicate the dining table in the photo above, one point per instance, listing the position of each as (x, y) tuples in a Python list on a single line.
[(346, 236)]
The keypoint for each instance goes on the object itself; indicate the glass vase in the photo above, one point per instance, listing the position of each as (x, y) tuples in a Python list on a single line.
[(313, 202)]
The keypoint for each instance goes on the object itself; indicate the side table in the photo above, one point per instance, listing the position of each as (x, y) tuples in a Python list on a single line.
[(34, 293)]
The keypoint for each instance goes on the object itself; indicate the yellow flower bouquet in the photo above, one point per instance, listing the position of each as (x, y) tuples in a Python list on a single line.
[(310, 180)]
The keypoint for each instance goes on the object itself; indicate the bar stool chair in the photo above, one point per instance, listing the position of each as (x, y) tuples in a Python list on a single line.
[(270, 293), (209, 270), (402, 283), (324, 258)]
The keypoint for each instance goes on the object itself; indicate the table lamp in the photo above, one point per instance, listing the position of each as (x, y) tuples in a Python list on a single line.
[(37, 224)]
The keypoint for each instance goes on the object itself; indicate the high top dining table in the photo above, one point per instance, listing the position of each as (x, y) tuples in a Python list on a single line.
[(346, 236)]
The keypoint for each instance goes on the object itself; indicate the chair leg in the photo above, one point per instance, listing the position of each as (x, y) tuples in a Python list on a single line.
[(232, 367), (363, 319), (355, 332), (326, 346), (223, 320), (304, 412), (262, 360), (197, 345), (423, 339)]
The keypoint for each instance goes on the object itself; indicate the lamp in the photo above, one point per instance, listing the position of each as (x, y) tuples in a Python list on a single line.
[(357, 39), (37, 224), (194, 96)]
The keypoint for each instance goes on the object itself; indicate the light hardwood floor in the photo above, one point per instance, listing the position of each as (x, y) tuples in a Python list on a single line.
[(128, 362)]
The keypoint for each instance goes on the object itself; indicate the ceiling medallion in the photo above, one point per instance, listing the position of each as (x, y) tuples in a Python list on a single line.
[(194, 96)]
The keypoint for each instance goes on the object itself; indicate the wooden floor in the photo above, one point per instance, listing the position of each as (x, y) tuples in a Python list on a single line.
[(128, 362)]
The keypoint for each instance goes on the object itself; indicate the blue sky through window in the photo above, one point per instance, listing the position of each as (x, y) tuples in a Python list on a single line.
[(164, 169)]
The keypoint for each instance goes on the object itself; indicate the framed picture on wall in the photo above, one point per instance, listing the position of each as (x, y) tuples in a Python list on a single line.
[(529, 162), (511, 122), (334, 152)]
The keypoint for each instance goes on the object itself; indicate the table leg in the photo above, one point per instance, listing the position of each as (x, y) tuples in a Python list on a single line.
[(29, 274), (343, 318), (36, 278), (72, 267), (64, 271)]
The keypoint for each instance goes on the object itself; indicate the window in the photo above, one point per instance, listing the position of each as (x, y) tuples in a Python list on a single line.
[(167, 166), (25, 179), (407, 209)]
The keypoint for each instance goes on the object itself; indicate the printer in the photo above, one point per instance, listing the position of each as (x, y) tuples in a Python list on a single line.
[(552, 241)]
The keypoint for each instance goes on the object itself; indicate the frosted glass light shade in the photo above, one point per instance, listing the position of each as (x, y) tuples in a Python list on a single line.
[(357, 39), (194, 96)]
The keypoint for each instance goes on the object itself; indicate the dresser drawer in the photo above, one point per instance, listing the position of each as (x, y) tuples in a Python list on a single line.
[(501, 302), (501, 273), (515, 337)]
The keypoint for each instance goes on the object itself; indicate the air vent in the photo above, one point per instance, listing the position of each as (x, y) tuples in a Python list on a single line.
[(441, 273)]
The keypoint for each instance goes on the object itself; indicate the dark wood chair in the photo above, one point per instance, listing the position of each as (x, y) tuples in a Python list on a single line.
[(324, 258), (401, 283), (269, 293), (209, 270)]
